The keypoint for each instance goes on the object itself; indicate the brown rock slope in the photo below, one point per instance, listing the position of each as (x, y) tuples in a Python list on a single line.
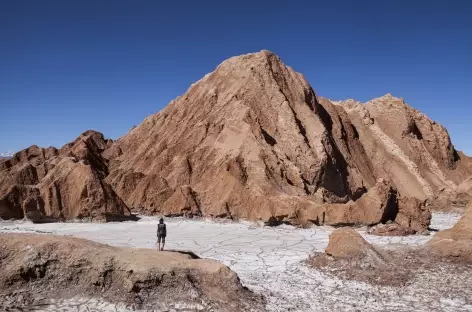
[(455, 243), (415, 152), (43, 267), (252, 140), (51, 184)]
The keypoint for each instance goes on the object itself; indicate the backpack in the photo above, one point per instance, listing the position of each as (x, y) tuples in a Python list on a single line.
[(161, 229)]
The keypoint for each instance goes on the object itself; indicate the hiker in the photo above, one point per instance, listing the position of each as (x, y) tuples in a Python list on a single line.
[(161, 233)]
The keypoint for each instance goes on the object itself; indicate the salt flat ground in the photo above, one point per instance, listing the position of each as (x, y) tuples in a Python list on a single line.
[(270, 261)]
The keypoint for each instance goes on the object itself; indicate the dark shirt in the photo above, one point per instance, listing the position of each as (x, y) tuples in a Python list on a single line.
[(161, 229)]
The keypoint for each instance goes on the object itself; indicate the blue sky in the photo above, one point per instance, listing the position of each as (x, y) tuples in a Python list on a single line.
[(68, 66)]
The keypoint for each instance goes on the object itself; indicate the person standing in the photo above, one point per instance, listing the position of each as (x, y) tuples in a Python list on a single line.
[(161, 233)]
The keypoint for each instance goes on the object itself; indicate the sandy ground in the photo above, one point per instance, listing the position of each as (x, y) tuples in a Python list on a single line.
[(270, 260)]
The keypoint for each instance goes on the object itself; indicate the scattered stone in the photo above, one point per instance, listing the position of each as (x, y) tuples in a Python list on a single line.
[(390, 229)]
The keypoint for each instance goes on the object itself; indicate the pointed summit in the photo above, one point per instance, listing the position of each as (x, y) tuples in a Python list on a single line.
[(205, 153), (388, 98)]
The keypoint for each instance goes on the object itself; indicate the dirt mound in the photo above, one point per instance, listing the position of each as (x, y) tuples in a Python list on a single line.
[(51, 184), (455, 243), (51, 267)]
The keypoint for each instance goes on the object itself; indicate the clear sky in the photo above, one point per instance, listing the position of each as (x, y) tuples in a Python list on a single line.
[(69, 66)]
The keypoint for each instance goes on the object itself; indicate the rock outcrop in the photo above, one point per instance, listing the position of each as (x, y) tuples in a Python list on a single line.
[(50, 267), (51, 184), (347, 244), (455, 243), (452, 199), (413, 214), (378, 205)]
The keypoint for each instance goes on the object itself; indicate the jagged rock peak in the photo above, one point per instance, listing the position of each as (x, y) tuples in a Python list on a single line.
[(389, 96), (51, 184)]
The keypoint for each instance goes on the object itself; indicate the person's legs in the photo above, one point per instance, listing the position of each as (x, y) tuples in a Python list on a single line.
[(159, 242), (163, 242)]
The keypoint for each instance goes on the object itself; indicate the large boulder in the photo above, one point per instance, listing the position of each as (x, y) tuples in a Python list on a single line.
[(455, 243), (347, 244), (18, 200), (378, 206), (53, 267)]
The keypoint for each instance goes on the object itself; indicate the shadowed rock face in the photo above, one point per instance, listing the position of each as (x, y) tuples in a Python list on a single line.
[(252, 140), (51, 184)]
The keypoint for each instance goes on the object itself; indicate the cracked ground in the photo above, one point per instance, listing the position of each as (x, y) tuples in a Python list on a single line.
[(271, 261)]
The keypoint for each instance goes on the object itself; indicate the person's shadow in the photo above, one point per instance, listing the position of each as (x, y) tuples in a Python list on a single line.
[(185, 252)]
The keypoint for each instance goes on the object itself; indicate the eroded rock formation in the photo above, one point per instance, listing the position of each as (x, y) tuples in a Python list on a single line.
[(51, 184), (36, 267), (252, 140), (347, 244)]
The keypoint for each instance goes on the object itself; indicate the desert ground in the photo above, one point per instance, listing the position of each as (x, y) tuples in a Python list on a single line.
[(272, 261)]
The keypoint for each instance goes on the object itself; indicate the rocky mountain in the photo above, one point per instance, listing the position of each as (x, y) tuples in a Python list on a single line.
[(50, 184), (252, 140)]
